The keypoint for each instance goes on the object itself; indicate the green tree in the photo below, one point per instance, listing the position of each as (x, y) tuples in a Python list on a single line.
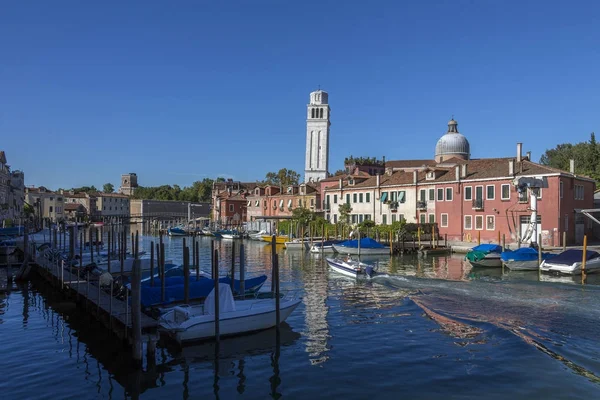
[(108, 188), (303, 215), (585, 154), (283, 177), (345, 210)]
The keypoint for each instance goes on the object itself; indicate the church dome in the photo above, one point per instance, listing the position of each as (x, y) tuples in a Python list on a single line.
[(452, 144)]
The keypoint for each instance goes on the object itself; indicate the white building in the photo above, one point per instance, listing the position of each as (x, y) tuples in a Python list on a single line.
[(317, 137), (46, 203), (112, 204)]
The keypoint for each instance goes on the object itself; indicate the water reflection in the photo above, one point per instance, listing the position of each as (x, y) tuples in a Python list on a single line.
[(316, 330)]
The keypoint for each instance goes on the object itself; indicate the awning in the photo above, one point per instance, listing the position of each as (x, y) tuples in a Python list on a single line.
[(401, 196), (384, 196)]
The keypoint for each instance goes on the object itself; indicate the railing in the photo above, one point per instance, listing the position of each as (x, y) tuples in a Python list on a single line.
[(422, 205), (478, 204)]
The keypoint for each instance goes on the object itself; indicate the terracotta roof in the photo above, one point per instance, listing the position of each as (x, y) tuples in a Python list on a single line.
[(101, 194), (409, 163), (72, 206), (336, 178)]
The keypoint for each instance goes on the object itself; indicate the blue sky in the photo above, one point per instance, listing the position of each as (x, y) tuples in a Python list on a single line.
[(178, 91)]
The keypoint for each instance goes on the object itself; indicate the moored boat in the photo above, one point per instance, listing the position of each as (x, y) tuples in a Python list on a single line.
[(569, 262), (278, 239), (296, 244), (196, 322), (176, 231), (523, 259), (349, 267), (324, 247), (257, 235), (485, 255), (364, 246)]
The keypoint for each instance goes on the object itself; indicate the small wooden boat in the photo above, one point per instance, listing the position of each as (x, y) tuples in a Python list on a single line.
[(350, 267), (365, 246), (523, 259), (569, 262), (188, 323), (485, 255)]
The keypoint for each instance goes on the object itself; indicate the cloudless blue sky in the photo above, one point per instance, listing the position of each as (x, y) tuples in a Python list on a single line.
[(181, 90)]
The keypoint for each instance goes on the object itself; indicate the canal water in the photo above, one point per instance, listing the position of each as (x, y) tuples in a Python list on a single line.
[(424, 328)]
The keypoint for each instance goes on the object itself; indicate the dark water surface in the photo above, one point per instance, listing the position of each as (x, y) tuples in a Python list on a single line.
[(424, 329)]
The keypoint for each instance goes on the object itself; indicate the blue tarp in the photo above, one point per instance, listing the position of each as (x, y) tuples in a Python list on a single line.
[(574, 255), (488, 248), (524, 254), (174, 291), (365, 243)]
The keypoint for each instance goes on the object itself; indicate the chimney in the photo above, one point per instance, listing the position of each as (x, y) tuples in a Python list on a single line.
[(519, 152), (340, 183), (572, 166), (511, 167), (457, 172), (378, 180), (529, 156), (415, 173), (464, 170)]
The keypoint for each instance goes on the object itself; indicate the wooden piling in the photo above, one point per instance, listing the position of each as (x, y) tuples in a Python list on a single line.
[(186, 274), (151, 263), (391, 244), (136, 311), (197, 262), (503, 242), (132, 244), (584, 259), (108, 255), (212, 260), (419, 235), (217, 314), (539, 252), (478, 238), (137, 245), (499, 242), (273, 255), (232, 266), (564, 241), (445, 240), (98, 242), (277, 299), (242, 272), (162, 266)]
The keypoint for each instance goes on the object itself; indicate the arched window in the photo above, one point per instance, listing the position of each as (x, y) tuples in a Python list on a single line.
[(313, 113), (321, 113)]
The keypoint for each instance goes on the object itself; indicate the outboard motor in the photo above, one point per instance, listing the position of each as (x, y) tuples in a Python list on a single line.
[(369, 271)]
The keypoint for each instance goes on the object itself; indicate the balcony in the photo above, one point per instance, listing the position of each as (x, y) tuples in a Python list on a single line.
[(393, 206), (421, 205), (477, 204)]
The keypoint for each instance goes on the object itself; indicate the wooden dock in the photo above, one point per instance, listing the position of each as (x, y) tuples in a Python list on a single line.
[(116, 314)]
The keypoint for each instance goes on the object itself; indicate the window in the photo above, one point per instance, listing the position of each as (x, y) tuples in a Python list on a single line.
[(422, 195), (360, 218), (490, 223), (384, 220), (490, 192), (448, 194), (402, 196), (51, 199), (367, 197), (335, 218), (468, 222), (561, 190), (401, 217), (431, 218), (479, 222), (360, 197), (348, 198), (367, 217), (479, 192), (104, 208), (440, 194), (523, 196), (422, 218), (312, 202), (335, 199), (578, 192), (537, 192), (327, 203), (431, 194), (354, 218), (59, 199), (393, 196), (444, 220), (231, 208), (354, 198), (505, 195), (393, 218), (50, 209), (468, 193)]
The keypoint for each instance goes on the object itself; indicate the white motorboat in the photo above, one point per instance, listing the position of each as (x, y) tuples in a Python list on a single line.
[(230, 235), (297, 244), (350, 267), (325, 247), (569, 262), (188, 323), (257, 235)]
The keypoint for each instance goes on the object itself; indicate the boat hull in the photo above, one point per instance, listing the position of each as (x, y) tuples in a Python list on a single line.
[(233, 323), (531, 265), (296, 245), (361, 251), (490, 261), (278, 239), (591, 266), (230, 236), (322, 249), (351, 269)]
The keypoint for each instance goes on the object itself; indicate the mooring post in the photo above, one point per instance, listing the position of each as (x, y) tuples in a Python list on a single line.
[(539, 254), (186, 274), (242, 272), (277, 300), (132, 244), (478, 238), (217, 308), (137, 245), (197, 245), (499, 243), (81, 244), (391, 244), (503, 242), (98, 242), (98, 299), (232, 267), (564, 241), (584, 259), (122, 254), (136, 310), (162, 266), (108, 255), (87, 289), (110, 307), (419, 235), (212, 261), (152, 264), (273, 254), (91, 245)]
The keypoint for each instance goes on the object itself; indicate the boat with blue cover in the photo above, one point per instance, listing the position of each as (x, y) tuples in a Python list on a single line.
[(569, 262), (176, 231), (485, 255), (523, 259), (364, 246)]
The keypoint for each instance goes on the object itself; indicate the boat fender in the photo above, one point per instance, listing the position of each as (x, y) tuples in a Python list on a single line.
[(369, 271)]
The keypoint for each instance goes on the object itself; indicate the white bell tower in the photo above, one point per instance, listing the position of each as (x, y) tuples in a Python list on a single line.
[(317, 137)]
